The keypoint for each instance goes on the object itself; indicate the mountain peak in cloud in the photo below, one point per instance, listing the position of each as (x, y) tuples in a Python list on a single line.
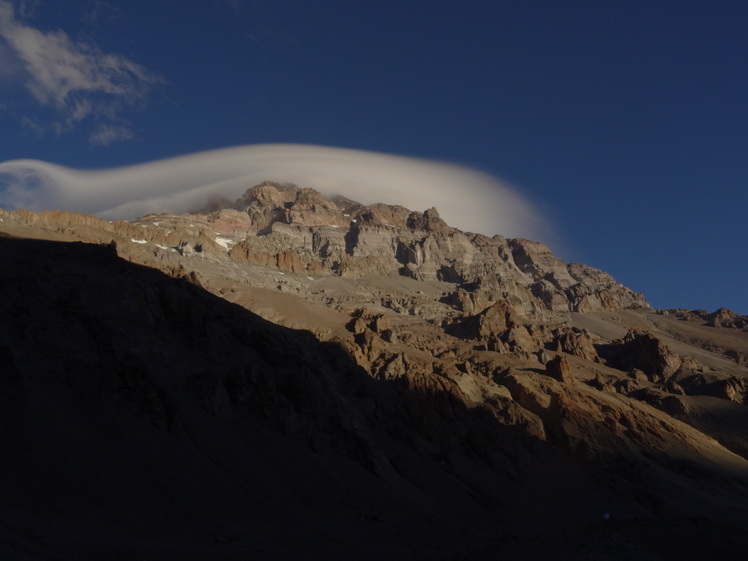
[(468, 199)]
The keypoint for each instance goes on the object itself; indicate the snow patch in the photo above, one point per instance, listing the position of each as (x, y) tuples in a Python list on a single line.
[(225, 242), (133, 240)]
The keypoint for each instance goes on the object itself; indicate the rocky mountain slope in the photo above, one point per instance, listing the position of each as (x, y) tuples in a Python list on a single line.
[(290, 376)]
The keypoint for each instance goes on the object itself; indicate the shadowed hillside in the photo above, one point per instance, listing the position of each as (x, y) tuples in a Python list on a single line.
[(144, 416)]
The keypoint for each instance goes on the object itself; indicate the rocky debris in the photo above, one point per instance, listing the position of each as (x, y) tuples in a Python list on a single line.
[(573, 341), (559, 369), (201, 245), (373, 334), (596, 290), (268, 255), (267, 193), (311, 209), (665, 401), (494, 321), (372, 240), (572, 287), (643, 351), (429, 221), (394, 216), (231, 222), (536, 260), (572, 418), (726, 318), (363, 319), (497, 328), (719, 318), (681, 313), (716, 385), (723, 331), (601, 383), (266, 204)]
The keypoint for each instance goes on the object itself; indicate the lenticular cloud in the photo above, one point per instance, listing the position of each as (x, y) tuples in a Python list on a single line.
[(465, 198)]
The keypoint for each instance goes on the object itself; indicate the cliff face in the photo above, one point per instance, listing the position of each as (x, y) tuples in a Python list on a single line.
[(392, 241), (256, 377), (297, 230)]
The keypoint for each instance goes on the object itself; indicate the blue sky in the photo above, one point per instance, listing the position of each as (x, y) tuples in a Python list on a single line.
[(625, 123)]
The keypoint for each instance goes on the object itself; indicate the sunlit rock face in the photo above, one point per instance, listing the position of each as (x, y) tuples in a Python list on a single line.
[(391, 240)]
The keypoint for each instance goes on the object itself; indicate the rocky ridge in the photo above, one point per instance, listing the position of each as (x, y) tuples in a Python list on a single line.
[(298, 231), (454, 352)]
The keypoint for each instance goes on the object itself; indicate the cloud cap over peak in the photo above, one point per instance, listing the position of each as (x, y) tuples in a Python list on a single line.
[(467, 199)]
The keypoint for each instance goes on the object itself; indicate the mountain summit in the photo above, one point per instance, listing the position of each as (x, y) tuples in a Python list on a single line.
[(293, 376)]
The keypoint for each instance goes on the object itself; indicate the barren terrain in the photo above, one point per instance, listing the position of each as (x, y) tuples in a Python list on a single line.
[(292, 377)]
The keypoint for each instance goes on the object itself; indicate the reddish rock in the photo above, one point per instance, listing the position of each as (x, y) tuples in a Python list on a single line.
[(559, 369)]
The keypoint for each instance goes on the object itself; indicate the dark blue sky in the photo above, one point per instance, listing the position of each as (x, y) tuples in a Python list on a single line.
[(625, 122)]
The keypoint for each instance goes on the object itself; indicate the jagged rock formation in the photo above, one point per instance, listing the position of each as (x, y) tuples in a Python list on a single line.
[(297, 230), (290, 366), (643, 351)]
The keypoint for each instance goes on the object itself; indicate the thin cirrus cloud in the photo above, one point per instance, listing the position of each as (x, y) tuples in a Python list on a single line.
[(75, 80), (465, 198)]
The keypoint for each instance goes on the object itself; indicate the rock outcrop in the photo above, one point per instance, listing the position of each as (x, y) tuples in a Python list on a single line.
[(643, 351)]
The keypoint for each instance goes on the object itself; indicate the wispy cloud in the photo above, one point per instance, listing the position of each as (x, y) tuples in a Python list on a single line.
[(28, 8), (107, 134), (75, 79), (101, 11), (465, 198)]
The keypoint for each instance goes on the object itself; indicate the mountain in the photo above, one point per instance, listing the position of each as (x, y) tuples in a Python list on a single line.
[(287, 376)]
